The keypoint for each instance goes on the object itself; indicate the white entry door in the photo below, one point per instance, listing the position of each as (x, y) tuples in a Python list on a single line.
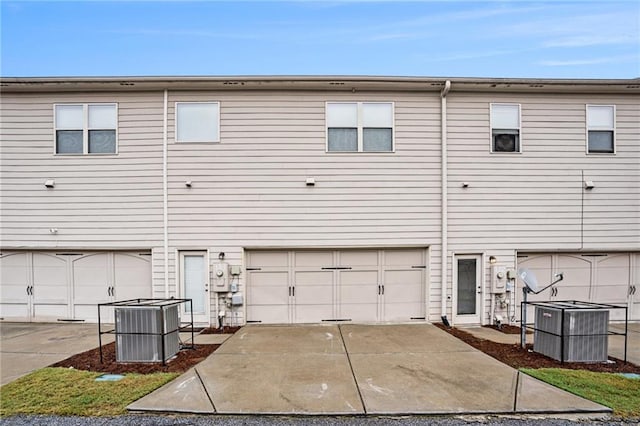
[(194, 285), (468, 289)]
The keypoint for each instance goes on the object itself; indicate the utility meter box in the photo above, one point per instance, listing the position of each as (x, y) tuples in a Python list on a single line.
[(237, 299), (498, 279), (220, 277)]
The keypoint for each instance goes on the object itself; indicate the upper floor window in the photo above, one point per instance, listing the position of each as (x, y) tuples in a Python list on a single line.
[(197, 122), (359, 126), (86, 128), (505, 128), (601, 128)]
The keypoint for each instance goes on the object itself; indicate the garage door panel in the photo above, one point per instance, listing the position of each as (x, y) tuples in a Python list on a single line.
[(50, 276), (268, 295), (132, 276), (313, 258), (359, 278), (358, 258), (90, 279), (14, 275), (577, 271), (404, 311), (404, 257), (269, 279), (313, 313), (51, 312), (262, 259), (402, 277), (268, 314), (359, 294), (367, 312), (406, 293), (313, 295), (313, 278)]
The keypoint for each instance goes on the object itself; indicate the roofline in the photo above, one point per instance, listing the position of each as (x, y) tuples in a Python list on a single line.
[(317, 83)]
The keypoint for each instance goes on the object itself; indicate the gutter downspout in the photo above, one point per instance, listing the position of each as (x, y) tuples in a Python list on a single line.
[(445, 249), (165, 193)]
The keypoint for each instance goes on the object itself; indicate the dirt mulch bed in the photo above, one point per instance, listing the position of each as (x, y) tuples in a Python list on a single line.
[(221, 330), (507, 329), (517, 357), (90, 361)]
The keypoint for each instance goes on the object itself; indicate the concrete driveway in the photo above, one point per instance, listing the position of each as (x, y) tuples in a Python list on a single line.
[(355, 369), (25, 347)]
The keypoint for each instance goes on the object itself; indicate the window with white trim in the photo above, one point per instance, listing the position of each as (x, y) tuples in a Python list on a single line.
[(359, 126), (601, 129), (86, 128), (197, 122), (505, 128)]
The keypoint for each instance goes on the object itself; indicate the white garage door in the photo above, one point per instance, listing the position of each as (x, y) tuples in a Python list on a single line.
[(600, 278), (50, 286), (336, 285)]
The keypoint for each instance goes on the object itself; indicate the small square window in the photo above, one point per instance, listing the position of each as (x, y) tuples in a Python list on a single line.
[(197, 122), (601, 129), (505, 128), (86, 128), (359, 126)]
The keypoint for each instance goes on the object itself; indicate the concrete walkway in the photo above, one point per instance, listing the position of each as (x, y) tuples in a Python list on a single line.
[(355, 369)]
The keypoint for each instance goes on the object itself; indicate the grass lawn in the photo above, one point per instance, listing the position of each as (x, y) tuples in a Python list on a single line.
[(612, 390), (62, 391)]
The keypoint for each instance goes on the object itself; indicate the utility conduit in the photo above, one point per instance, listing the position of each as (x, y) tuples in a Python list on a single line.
[(444, 250)]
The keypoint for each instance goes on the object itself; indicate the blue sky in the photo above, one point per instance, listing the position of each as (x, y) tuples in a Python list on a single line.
[(572, 39)]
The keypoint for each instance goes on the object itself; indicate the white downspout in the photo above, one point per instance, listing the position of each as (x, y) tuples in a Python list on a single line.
[(445, 249), (165, 193)]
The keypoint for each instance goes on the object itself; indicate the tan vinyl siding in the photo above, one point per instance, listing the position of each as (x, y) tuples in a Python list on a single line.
[(99, 201), (249, 189), (534, 200)]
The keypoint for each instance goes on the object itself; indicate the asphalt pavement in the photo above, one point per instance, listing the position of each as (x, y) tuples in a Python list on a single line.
[(221, 420)]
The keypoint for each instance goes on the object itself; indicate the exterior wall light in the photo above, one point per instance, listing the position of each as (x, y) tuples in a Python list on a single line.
[(49, 183), (589, 185), (492, 260)]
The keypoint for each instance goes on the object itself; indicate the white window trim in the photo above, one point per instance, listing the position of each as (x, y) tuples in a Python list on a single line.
[(85, 128), (596, 128), (360, 127), (519, 151), (175, 121)]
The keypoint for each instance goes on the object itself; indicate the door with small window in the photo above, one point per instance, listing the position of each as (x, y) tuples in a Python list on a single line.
[(194, 285), (467, 289)]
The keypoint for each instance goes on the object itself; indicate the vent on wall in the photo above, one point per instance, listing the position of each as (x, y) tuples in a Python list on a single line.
[(146, 333)]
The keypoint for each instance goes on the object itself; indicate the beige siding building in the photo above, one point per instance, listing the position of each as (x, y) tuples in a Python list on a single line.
[(315, 199)]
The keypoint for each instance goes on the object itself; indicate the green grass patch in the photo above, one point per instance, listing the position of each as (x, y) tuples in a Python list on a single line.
[(612, 390), (65, 392)]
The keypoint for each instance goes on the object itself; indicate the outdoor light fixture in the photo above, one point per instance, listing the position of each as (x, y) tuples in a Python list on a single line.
[(492, 260), (49, 183), (465, 184), (188, 184), (310, 181), (53, 230), (588, 184), (221, 255)]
